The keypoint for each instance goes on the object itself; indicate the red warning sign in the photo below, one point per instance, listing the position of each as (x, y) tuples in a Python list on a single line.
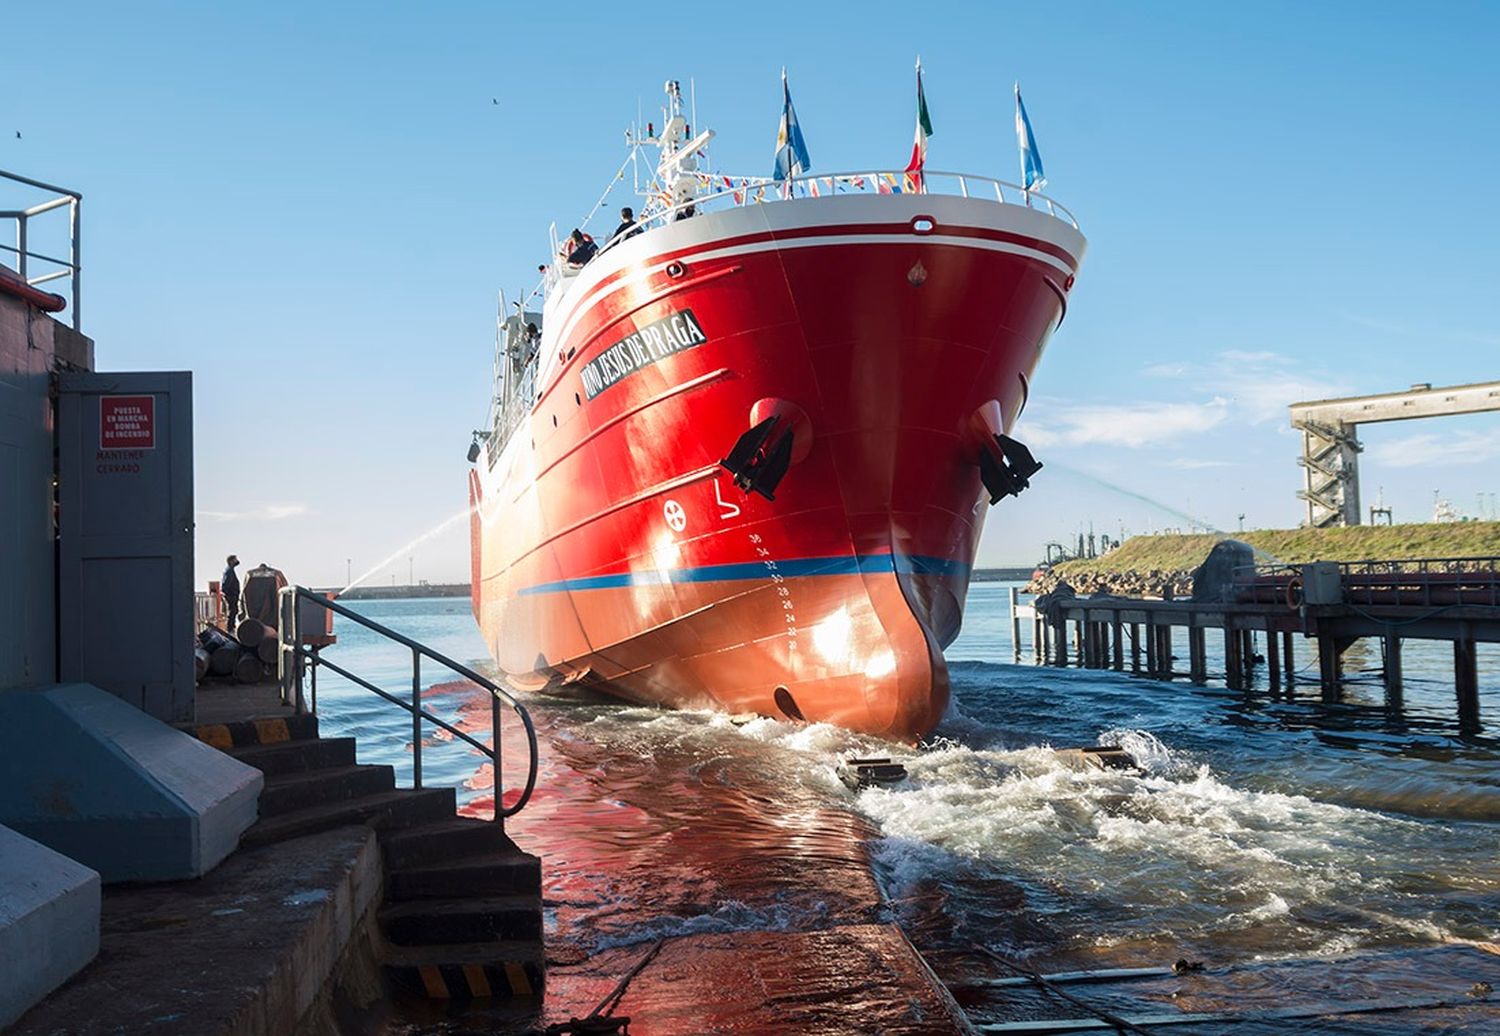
[(127, 422)]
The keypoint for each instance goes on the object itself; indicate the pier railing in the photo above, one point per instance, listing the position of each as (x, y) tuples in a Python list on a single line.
[(301, 651), (1456, 600), (37, 268), (1424, 582)]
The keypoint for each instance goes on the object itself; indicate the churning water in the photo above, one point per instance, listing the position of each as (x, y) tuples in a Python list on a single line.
[(1257, 828)]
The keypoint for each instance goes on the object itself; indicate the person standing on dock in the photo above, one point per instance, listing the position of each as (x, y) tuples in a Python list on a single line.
[(230, 586)]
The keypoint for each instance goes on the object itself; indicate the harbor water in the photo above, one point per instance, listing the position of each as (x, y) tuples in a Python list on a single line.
[(1258, 829)]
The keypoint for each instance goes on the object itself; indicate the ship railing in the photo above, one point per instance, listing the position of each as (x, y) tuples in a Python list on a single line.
[(37, 268), (742, 191), (305, 629), (731, 192), (728, 192)]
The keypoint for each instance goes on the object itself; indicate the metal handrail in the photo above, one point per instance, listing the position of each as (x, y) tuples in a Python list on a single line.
[(292, 653), (25, 255), (1477, 565), (1406, 581), (766, 190)]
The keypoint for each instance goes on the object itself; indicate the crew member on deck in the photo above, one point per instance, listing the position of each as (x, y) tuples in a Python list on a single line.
[(580, 248), (627, 227), (531, 342), (230, 587)]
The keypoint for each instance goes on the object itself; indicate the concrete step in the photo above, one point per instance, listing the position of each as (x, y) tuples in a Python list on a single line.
[(495, 873), (297, 756), (390, 809), (241, 733), (435, 844), (290, 792), (427, 922), (465, 971)]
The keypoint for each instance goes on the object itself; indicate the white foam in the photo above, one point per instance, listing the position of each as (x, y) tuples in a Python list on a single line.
[(1170, 848), (1173, 843), (730, 915)]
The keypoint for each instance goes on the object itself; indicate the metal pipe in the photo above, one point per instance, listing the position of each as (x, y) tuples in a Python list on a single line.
[(478, 745), (47, 206), (458, 667), (297, 594), (18, 178), (416, 719), (38, 255), (495, 756), (75, 231)]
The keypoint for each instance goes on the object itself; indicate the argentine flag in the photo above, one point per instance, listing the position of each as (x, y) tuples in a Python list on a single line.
[(1032, 176), (791, 152)]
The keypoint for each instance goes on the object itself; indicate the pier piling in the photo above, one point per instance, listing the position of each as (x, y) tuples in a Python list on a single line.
[(1328, 668), (1015, 624), (1393, 688), (1288, 661), (1377, 600), (1197, 655), (1233, 670), (1273, 661), (1466, 683)]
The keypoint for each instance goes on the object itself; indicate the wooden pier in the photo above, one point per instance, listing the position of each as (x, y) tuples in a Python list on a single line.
[(1263, 611)]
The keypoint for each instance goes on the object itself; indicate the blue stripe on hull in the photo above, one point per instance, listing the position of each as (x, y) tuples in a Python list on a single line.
[(905, 564)]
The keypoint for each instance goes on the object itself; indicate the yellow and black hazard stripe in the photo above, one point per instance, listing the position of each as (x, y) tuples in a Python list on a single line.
[(502, 979), (256, 731)]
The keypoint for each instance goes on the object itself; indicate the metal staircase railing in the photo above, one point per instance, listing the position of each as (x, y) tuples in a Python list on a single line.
[(300, 651), (35, 267)]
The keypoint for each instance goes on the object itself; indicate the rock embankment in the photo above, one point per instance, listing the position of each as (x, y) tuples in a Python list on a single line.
[(1152, 583)]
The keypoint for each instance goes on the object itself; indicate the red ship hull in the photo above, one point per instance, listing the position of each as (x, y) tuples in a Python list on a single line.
[(894, 334)]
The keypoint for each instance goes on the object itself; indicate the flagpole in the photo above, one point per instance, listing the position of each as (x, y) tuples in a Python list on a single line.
[(1020, 148)]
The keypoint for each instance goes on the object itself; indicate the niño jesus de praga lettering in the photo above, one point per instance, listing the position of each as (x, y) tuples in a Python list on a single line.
[(671, 334)]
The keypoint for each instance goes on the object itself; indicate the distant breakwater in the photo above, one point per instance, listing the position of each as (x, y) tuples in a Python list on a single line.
[(389, 593)]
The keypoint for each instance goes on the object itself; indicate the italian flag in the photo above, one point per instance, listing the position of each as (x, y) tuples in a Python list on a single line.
[(919, 145)]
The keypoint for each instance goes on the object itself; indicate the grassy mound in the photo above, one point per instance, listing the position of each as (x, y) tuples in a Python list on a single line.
[(1170, 558)]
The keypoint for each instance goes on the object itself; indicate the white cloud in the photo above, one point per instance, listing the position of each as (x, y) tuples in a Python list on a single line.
[(1131, 424), (1194, 464), (1436, 450), (1259, 384), (1262, 357), (267, 513), (1166, 370), (1426, 335)]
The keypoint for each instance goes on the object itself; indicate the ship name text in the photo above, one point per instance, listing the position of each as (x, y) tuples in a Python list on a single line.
[(635, 352)]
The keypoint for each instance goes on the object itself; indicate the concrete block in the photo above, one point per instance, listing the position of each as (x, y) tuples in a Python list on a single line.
[(49, 921), (102, 782), (249, 950)]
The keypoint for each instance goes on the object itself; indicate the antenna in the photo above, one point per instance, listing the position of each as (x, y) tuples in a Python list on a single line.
[(693, 101)]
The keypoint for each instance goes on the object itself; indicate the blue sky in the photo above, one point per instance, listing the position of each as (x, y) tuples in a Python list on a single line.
[(312, 206)]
